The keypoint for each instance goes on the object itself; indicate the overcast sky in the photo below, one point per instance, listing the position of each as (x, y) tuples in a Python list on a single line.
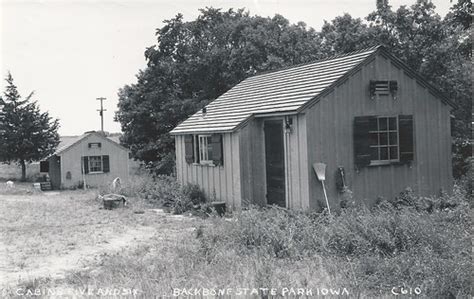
[(71, 52)]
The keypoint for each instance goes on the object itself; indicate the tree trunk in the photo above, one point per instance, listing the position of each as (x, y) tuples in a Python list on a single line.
[(23, 170)]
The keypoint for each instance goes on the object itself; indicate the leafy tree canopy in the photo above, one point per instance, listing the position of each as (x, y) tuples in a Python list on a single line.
[(195, 62), (26, 134)]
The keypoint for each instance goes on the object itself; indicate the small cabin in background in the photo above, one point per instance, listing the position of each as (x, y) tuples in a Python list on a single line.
[(92, 158), (377, 125)]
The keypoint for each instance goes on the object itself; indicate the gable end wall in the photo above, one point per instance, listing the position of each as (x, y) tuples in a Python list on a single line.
[(71, 161), (330, 127)]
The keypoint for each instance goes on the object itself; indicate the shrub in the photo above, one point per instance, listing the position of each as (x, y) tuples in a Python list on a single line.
[(194, 193), (161, 190)]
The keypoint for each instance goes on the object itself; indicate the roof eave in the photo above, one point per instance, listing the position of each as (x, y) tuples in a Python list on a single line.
[(239, 126), (57, 153)]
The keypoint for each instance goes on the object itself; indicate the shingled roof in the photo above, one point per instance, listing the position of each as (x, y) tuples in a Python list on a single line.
[(283, 91), (66, 142)]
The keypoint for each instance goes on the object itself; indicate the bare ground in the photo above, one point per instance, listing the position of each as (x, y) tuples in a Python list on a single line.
[(48, 236)]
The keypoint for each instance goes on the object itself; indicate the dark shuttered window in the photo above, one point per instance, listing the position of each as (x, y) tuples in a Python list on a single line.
[(204, 149), (189, 148), (382, 140), (95, 164)]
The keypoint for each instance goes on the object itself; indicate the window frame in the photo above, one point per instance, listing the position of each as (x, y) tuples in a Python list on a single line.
[(388, 161), (90, 164), (204, 144)]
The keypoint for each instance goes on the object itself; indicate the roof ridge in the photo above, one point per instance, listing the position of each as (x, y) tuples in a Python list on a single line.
[(317, 60)]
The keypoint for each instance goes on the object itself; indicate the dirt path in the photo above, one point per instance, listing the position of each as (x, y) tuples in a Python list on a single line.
[(56, 267)]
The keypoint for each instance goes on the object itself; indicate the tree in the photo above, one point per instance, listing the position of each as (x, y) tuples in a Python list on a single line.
[(26, 134), (194, 63)]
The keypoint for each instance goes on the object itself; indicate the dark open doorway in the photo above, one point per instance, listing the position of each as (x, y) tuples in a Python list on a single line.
[(275, 162)]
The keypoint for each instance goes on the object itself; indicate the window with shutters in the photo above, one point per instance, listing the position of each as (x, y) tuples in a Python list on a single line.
[(204, 149), (95, 164), (382, 140)]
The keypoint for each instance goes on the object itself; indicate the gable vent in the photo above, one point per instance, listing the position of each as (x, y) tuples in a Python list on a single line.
[(383, 88)]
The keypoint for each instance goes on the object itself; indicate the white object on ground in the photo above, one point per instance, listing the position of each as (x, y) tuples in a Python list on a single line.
[(116, 184), (10, 184)]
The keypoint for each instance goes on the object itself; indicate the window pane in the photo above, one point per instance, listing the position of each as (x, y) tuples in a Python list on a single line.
[(383, 138), (393, 152), (393, 138), (384, 153), (95, 163), (392, 121), (374, 153), (203, 148), (382, 124), (209, 151), (373, 139), (373, 124)]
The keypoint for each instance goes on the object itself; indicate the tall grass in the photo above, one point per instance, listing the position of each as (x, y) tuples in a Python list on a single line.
[(368, 251)]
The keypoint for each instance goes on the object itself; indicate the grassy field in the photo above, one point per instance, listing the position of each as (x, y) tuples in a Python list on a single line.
[(65, 241), (46, 235)]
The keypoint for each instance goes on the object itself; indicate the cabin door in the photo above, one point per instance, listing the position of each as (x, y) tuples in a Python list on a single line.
[(275, 162)]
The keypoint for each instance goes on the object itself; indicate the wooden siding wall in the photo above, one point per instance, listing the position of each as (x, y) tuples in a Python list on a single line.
[(242, 179), (71, 161), (220, 183), (330, 125), (296, 164)]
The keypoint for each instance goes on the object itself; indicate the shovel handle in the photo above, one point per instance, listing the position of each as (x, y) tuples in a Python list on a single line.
[(326, 197)]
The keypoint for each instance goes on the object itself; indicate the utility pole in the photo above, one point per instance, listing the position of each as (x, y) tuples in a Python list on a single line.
[(101, 113)]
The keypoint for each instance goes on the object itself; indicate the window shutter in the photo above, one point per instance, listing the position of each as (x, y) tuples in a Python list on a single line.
[(105, 164), (189, 148), (217, 156), (372, 85), (405, 127), (44, 166), (197, 154), (361, 140), (85, 165)]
